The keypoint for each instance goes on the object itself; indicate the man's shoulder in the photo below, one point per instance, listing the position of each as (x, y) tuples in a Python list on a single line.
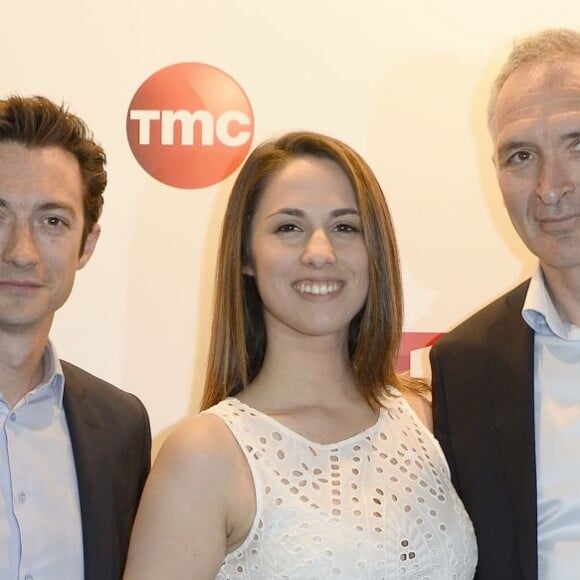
[(502, 310), (95, 390)]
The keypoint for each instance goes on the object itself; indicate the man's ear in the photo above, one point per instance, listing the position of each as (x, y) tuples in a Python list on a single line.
[(89, 247)]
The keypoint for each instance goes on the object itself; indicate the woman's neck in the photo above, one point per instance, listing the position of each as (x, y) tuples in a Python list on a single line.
[(304, 370)]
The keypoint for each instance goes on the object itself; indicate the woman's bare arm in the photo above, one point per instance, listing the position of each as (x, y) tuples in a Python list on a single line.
[(181, 530)]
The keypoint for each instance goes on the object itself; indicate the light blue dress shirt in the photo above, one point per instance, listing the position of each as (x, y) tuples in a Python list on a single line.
[(40, 518), (557, 428)]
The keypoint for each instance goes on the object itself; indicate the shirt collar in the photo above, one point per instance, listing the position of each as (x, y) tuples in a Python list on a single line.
[(53, 374), (52, 383), (541, 315)]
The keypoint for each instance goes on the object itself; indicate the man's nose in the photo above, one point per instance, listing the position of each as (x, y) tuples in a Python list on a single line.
[(20, 246), (554, 180)]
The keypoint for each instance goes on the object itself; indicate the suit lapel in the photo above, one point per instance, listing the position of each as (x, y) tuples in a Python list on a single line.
[(511, 372), (90, 449)]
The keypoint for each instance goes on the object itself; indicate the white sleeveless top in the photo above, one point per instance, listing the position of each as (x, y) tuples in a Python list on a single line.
[(376, 506)]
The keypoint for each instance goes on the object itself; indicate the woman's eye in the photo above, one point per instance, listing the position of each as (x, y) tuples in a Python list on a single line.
[(286, 228), (346, 228)]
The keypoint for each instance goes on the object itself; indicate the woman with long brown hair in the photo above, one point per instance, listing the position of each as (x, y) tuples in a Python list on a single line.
[(312, 459)]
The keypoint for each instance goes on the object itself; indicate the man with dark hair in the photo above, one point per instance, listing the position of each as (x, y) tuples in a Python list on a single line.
[(74, 450), (506, 383)]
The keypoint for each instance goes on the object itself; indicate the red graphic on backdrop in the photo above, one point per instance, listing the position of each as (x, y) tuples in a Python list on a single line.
[(190, 125), (413, 341)]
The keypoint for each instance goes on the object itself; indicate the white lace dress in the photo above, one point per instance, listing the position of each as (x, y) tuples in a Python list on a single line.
[(378, 505)]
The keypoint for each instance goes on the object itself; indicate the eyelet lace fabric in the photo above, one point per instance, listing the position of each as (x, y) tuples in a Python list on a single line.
[(376, 506)]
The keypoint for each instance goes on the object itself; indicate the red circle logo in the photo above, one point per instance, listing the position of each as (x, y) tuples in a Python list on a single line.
[(190, 125)]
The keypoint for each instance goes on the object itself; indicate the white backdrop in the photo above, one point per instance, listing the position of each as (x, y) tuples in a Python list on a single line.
[(404, 83)]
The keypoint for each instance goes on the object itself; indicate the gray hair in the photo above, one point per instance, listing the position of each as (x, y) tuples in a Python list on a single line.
[(553, 46)]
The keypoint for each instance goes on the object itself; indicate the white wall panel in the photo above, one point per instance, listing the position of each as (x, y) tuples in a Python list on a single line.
[(405, 83)]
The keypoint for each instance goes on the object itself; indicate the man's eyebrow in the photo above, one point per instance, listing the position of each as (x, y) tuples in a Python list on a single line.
[(49, 205), (512, 145), (53, 205), (570, 136), (300, 213)]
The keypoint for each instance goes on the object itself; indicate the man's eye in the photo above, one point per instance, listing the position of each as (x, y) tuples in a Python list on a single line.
[(520, 157), (55, 221)]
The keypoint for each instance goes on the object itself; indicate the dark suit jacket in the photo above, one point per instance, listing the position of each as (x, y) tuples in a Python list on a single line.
[(483, 404), (111, 443)]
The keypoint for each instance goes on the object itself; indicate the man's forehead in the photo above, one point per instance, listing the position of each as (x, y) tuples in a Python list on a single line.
[(539, 89), (37, 176)]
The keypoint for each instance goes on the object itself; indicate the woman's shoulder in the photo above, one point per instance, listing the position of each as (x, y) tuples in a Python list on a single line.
[(200, 441)]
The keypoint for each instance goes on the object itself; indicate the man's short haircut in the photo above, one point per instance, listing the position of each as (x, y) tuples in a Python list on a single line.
[(553, 46), (38, 122)]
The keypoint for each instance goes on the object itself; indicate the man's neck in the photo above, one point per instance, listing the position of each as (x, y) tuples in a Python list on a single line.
[(564, 288), (21, 364)]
